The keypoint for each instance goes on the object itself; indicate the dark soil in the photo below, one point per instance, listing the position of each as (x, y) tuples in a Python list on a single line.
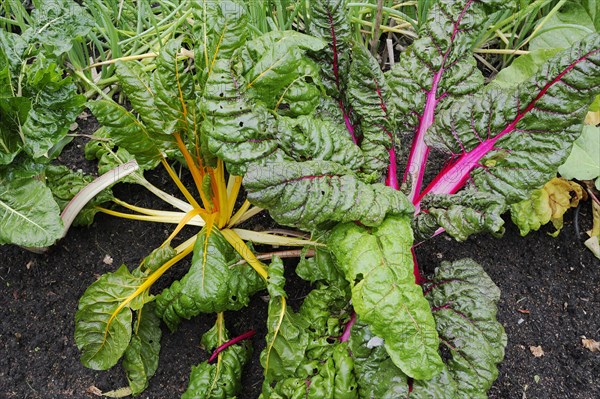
[(550, 297)]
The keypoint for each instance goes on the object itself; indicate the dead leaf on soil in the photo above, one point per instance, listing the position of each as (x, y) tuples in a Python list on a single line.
[(94, 390), (536, 351), (590, 344)]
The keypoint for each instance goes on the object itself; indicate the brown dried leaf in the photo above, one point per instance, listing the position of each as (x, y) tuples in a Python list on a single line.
[(590, 344), (94, 390), (536, 351)]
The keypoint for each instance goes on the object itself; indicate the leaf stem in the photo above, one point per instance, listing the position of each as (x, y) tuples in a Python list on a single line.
[(348, 328), (233, 341)]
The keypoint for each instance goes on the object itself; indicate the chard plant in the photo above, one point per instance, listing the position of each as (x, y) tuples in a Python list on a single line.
[(312, 129), (38, 104)]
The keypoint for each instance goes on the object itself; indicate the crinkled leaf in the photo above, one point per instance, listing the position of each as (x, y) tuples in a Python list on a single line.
[(239, 93), (381, 257), (65, 184), (369, 95), (320, 267), (214, 282), (13, 111), (306, 194), (57, 24), (238, 131), (221, 379), (463, 300), (273, 62), (287, 337), (584, 162), (140, 360), (29, 215), (220, 28), (101, 333), (512, 142), (377, 375), (464, 303), (461, 215), (436, 69), (129, 133), (301, 360), (54, 106), (329, 22), (310, 138), (546, 204), (173, 88), (136, 85), (13, 49), (159, 257)]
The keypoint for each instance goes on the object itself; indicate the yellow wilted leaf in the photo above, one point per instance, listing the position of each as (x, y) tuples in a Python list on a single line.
[(547, 204)]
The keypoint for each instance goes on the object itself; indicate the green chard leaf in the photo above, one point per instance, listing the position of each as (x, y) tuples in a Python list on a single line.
[(241, 90), (300, 359), (65, 184), (159, 257), (214, 282), (307, 194), (462, 214), (129, 133), (271, 63), (57, 23), (381, 257), (103, 319), (37, 105), (173, 88), (54, 106), (140, 359), (321, 267), (136, 85), (220, 28), (369, 95), (463, 301), (511, 142), (583, 162), (329, 22), (29, 215), (287, 337), (435, 70), (237, 130), (221, 380)]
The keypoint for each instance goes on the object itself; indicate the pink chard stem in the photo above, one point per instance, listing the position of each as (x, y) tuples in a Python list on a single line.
[(348, 328), (246, 335)]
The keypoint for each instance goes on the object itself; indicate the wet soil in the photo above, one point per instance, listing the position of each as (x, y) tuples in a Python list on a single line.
[(550, 298)]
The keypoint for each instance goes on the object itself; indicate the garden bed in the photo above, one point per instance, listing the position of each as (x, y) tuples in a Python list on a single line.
[(550, 298)]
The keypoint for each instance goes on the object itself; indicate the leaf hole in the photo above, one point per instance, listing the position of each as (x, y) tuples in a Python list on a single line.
[(359, 277), (241, 124), (234, 298)]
